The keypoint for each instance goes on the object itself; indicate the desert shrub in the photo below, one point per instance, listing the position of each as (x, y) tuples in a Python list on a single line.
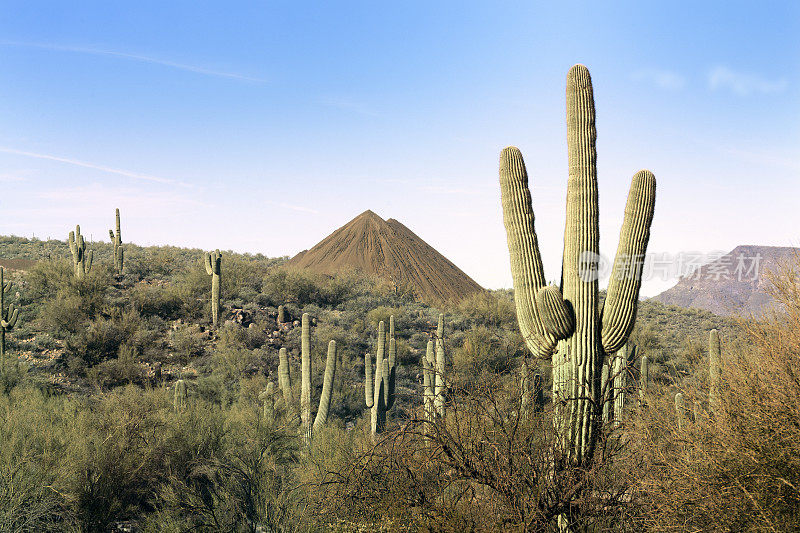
[(121, 370), (228, 473), (162, 301), (102, 339), (738, 469), (31, 463), (482, 350), (483, 467), (485, 309), (187, 342)]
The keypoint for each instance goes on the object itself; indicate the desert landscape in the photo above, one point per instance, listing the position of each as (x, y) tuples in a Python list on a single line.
[(280, 346)]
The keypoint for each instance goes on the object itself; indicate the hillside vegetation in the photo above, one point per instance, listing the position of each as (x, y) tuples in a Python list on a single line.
[(93, 440)]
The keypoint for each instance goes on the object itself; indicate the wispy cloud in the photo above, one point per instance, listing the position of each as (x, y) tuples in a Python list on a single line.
[(742, 83), (8, 178), (134, 57), (85, 164), (665, 79)]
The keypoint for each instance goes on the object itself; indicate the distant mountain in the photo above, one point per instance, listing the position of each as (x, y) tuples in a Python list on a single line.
[(734, 283), (388, 249)]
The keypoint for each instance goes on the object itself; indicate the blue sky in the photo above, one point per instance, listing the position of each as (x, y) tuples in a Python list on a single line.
[(262, 126)]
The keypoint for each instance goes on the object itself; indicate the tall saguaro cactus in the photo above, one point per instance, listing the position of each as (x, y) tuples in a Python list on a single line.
[(81, 259), (379, 386), (116, 239), (8, 317), (285, 383), (567, 323), (213, 263)]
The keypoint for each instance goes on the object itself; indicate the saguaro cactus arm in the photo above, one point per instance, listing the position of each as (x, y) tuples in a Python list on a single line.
[(526, 262), (619, 308), (369, 386)]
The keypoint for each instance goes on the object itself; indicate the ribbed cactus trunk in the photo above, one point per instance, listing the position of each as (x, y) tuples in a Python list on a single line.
[(213, 264), (116, 239), (327, 388), (8, 317), (81, 259), (281, 315), (305, 378), (567, 323), (714, 374)]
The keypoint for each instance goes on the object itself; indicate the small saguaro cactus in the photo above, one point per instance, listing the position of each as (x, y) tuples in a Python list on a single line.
[(281, 315), (644, 378), (615, 381), (714, 373), (284, 381), (379, 386), (8, 317), (213, 262), (619, 370), (433, 366), (116, 239), (180, 395), (567, 323), (81, 259), (267, 397)]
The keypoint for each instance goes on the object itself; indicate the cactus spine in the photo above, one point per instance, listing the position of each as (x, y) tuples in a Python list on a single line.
[(8, 317), (285, 383), (567, 324), (714, 373), (180, 396), (213, 262), (116, 238), (81, 259)]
